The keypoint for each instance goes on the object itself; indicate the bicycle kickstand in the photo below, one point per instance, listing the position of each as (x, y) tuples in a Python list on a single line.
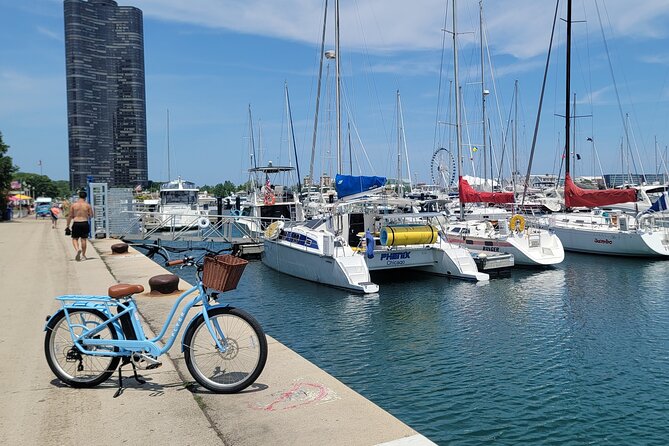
[(138, 378)]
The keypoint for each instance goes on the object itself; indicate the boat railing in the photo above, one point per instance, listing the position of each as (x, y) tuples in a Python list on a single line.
[(144, 225)]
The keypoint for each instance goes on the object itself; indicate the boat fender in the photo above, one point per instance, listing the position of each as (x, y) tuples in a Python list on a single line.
[(272, 231), (203, 222), (517, 222)]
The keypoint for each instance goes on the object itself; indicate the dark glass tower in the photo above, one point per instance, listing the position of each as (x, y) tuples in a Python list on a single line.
[(106, 109)]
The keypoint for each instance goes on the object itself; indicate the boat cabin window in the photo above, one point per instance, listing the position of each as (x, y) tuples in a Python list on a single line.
[(178, 197)]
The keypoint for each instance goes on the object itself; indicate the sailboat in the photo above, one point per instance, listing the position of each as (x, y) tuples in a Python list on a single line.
[(599, 231), (328, 250), (315, 250), (529, 246)]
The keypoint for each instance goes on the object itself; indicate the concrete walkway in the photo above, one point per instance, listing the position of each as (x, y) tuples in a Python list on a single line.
[(292, 403)]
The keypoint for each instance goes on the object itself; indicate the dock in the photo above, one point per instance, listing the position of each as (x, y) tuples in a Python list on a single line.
[(293, 402)]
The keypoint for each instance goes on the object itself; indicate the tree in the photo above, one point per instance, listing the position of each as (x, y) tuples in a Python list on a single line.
[(41, 185), (7, 169)]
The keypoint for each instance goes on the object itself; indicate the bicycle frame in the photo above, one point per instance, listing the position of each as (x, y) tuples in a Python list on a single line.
[(104, 304)]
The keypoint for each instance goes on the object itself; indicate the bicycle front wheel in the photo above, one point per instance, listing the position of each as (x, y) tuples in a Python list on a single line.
[(72, 367), (244, 350)]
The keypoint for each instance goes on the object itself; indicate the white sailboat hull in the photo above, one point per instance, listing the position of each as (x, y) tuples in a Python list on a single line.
[(605, 241), (339, 270), (533, 247), (440, 258)]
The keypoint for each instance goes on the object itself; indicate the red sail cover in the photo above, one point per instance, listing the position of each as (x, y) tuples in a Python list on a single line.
[(574, 196), (469, 195)]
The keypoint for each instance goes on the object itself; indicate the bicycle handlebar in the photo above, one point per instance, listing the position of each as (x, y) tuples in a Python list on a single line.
[(185, 261)]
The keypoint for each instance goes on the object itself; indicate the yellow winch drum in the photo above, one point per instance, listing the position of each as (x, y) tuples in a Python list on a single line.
[(409, 235)]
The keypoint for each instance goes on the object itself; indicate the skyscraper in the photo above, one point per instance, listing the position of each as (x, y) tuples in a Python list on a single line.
[(106, 109)]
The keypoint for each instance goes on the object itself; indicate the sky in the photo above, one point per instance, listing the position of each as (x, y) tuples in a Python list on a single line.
[(211, 61)]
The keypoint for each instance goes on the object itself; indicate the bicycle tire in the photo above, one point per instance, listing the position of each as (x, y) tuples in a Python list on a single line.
[(79, 370), (238, 367)]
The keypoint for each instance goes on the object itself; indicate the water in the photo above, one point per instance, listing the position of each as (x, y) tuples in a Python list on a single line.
[(576, 354)]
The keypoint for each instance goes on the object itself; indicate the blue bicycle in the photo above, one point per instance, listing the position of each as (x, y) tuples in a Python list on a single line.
[(224, 347)]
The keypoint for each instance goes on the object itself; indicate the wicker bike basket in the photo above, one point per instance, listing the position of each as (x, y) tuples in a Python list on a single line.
[(222, 273)]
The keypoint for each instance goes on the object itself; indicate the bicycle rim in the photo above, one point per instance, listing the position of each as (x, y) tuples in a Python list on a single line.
[(70, 365), (238, 365)]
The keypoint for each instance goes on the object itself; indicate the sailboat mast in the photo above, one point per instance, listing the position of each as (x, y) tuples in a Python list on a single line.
[(515, 136), (567, 92), (458, 131), (292, 138), (168, 146), (318, 95), (338, 89), (399, 144), (484, 92)]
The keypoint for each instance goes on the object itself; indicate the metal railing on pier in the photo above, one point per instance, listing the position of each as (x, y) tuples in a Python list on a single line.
[(145, 225)]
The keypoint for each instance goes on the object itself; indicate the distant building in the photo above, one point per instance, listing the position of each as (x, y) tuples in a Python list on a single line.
[(621, 179), (106, 109)]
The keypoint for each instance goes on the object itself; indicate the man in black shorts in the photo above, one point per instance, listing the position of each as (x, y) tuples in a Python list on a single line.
[(79, 214)]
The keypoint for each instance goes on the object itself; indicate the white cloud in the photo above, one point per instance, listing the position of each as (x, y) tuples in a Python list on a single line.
[(520, 28), (50, 34)]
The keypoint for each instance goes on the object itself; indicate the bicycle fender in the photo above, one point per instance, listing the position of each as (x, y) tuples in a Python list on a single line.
[(50, 320)]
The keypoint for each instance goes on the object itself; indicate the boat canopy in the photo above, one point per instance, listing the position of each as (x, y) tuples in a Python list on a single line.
[(574, 196), (469, 195), (350, 185)]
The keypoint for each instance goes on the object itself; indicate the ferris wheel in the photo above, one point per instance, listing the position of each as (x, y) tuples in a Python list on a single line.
[(442, 167)]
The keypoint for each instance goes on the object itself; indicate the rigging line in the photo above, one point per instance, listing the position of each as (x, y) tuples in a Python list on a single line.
[(599, 162), (318, 92), (292, 134), (505, 136), (626, 85), (357, 134), (541, 101), (469, 139), (590, 84), (499, 106), (441, 72), (636, 147), (370, 80), (615, 85), (406, 148)]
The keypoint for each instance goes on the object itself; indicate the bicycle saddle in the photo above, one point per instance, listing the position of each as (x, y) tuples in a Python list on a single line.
[(124, 290)]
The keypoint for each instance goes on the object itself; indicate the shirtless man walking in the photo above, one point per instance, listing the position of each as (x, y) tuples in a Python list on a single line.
[(80, 212)]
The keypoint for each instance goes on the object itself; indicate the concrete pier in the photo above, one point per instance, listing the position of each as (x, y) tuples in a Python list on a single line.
[(293, 402)]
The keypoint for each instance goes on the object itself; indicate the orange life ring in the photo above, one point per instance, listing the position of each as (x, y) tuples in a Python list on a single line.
[(270, 199)]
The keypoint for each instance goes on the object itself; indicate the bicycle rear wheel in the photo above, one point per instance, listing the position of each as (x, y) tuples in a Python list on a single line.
[(72, 367), (245, 352)]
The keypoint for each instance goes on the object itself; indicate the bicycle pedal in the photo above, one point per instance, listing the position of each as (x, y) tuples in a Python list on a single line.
[(146, 362), (155, 365)]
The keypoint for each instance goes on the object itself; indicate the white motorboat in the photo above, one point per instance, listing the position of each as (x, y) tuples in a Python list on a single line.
[(178, 207), (268, 202)]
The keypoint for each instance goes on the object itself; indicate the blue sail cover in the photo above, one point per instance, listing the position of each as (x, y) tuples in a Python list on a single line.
[(350, 185), (661, 204)]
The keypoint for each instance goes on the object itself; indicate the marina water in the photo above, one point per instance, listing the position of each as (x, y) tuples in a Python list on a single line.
[(574, 354)]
